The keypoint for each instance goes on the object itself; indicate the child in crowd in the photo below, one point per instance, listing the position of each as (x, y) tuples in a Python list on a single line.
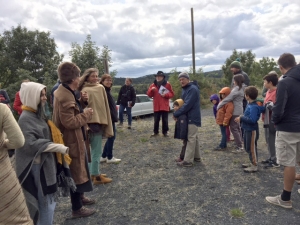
[(181, 129), (249, 124), (270, 82), (223, 117)]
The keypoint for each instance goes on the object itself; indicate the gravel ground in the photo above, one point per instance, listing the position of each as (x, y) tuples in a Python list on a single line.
[(149, 188)]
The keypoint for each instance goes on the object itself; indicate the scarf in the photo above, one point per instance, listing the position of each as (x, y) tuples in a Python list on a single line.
[(64, 178)]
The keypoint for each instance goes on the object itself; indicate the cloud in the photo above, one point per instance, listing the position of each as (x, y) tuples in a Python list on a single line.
[(146, 36)]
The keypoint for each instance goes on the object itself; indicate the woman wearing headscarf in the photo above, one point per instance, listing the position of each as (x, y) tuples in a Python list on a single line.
[(107, 155), (71, 116), (100, 124), (13, 208), (36, 165)]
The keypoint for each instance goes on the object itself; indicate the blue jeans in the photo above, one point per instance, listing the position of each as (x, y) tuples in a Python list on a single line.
[(46, 202), (108, 147), (121, 112), (223, 143)]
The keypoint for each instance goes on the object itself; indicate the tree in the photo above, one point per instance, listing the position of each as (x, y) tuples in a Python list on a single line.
[(33, 51), (89, 55), (246, 59)]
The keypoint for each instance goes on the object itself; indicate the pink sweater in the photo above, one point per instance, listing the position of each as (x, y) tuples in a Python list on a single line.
[(270, 97)]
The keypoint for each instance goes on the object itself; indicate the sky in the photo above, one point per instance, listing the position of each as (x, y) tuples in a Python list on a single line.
[(150, 35)]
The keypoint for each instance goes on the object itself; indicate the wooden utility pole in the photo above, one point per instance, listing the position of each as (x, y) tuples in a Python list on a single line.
[(193, 42), (106, 66)]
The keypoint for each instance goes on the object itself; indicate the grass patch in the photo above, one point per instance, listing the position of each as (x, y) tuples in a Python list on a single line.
[(143, 140), (237, 213)]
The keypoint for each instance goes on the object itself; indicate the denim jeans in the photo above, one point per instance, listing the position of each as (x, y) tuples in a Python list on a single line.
[(109, 145), (46, 202), (96, 151), (121, 112), (223, 143)]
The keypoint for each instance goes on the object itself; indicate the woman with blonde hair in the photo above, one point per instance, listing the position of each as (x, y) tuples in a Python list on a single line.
[(13, 208), (107, 155), (100, 124)]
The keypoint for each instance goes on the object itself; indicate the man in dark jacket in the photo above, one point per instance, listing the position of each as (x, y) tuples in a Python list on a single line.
[(191, 107), (126, 99), (286, 117)]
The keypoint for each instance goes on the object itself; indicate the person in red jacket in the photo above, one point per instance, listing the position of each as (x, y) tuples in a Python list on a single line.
[(17, 103), (161, 91)]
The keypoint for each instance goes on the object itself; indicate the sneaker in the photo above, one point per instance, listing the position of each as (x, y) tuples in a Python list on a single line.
[(83, 212), (129, 127), (197, 159), (251, 169), (246, 165), (166, 135), (87, 201), (272, 165), (154, 134), (113, 160), (100, 179), (277, 201), (103, 159), (185, 164), (219, 149), (238, 150), (178, 160), (267, 161), (120, 125)]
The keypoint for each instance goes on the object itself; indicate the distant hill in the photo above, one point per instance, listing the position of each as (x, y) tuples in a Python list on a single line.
[(148, 79)]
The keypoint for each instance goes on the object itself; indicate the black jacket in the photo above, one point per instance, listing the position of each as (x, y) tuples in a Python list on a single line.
[(286, 111), (112, 105), (181, 127), (126, 93)]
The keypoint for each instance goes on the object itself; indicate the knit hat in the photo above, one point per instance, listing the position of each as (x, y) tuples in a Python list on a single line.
[(160, 73), (179, 102), (236, 64), (184, 74), (68, 71)]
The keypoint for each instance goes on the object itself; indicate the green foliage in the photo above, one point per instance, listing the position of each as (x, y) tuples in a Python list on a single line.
[(33, 51), (246, 58), (89, 55), (237, 213)]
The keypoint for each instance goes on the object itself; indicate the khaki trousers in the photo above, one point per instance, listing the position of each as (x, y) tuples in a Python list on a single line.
[(193, 146)]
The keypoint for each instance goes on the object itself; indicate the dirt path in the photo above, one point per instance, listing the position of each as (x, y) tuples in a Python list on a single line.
[(149, 188)]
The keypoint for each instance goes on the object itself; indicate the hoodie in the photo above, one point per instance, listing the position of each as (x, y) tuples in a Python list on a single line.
[(215, 97), (224, 114), (286, 111), (30, 94), (251, 116)]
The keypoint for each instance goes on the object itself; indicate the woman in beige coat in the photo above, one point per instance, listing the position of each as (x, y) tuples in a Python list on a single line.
[(13, 208)]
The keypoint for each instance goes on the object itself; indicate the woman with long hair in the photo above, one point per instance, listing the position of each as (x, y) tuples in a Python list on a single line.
[(100, 124), (107, 154)]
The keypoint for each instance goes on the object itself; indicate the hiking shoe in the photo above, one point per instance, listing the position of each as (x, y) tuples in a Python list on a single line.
[(154, 134), (246, 165), (113, 160), (272, 164), (185, 164), (277, 201), (166, 135), (178, 160), (100, 179), (251, 169), (129, 127), (197, 159), (267, 161), (103, 159), (219, 148), (87, 201), (238, 150), (83, 212)]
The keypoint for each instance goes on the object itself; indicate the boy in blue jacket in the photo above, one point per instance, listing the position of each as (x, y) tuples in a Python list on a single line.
[(249, 124), (181, 129)]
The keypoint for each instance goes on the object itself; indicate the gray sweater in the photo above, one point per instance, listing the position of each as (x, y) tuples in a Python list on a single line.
[(236, 96)]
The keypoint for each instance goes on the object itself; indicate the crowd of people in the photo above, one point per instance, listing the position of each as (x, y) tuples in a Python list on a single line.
[(61, 156)]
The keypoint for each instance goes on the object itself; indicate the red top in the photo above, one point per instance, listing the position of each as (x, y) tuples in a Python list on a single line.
[(18, 103), (160, 103), (270, 97)]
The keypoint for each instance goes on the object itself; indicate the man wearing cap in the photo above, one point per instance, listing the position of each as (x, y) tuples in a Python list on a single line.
[(191, 107), (236, 68), (161, 91)]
